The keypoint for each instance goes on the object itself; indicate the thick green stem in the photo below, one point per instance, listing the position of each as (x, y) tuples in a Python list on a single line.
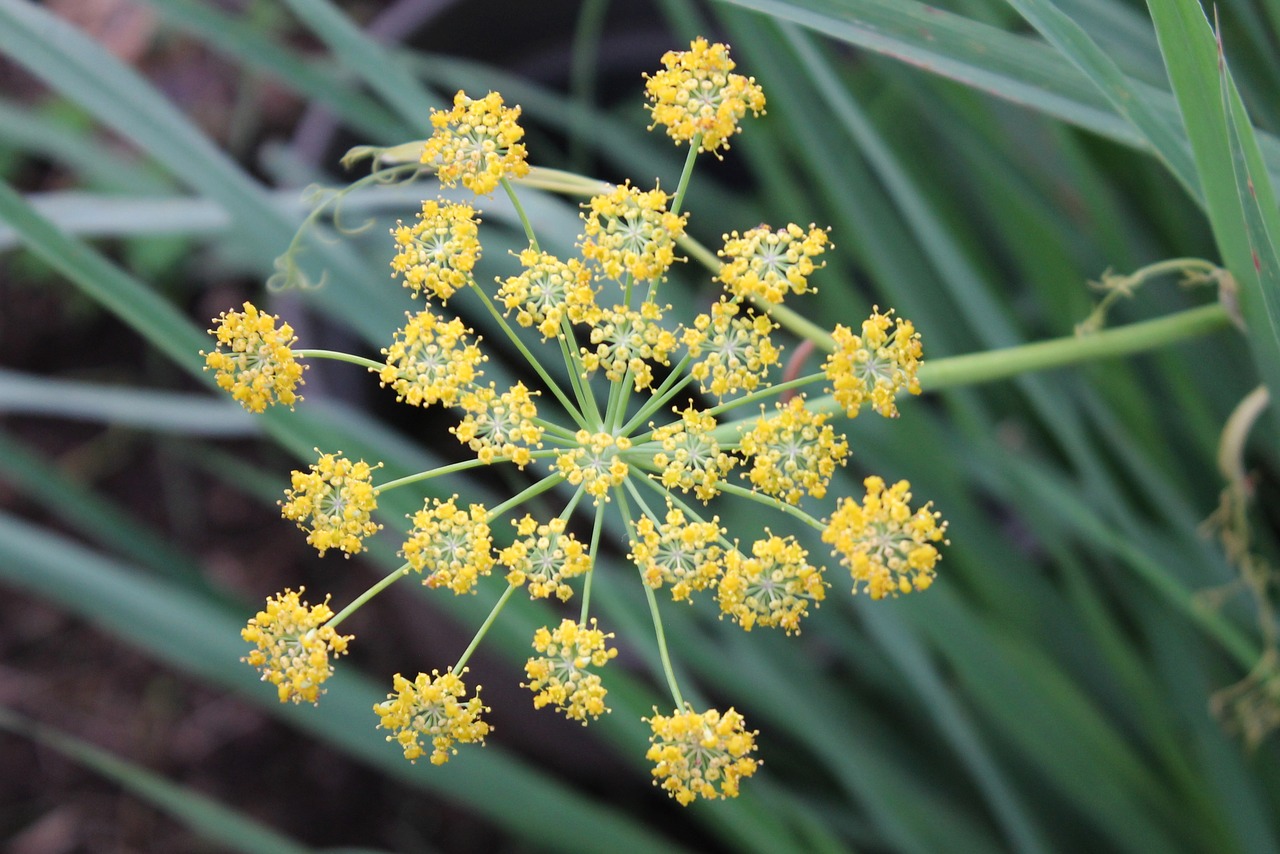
[(525, 494), (1061, 352), (768, 501)]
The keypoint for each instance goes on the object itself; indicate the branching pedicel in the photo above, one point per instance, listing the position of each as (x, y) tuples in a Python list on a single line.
[(644, 447)]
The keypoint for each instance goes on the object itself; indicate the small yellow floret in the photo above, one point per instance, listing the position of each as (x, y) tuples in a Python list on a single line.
[(696, 94), (293, 645), (560, 678), (254, 358), (888, 548), (766, 264), (333, 503), (700, 755), (477, 143), (435, 708), (875, 366), (451, 545), (438, 252)]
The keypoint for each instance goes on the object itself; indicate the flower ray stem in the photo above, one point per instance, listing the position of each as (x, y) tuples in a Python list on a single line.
[(593, 551), (685, 174), (525, 494), (577, 373), (790, 510), (670, 387), (656, 617), (452, 468), (766, 393), (484, 627), (534, 363), (364, 597), (338, 356), (524, 218)]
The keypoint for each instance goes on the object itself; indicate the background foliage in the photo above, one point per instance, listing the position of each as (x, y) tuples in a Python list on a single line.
[(978, 161)]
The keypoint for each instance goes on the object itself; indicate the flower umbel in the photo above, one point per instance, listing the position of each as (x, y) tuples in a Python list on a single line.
[(476, 143), (333, 503), (695, 94), (433, 708), (432, 360), (598, 389), (793, 453), (766, 264), (629, 230), (293, 645), (682, 554), (544, 558), (700, 755), (874, 366), (549, 290), (888, 548), (500, 425), (451, 545), (254, 358), (438, 252), (773, 587), (560, 678)]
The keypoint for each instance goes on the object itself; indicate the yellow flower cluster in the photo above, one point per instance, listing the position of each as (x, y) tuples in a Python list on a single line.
[(604, 422), (682, 554), (691, 458), (559, 676), (432, 360), (596, 462), (254, 359), (433, 708), (548, 291), (765, 264), (544, 558), (500, 425), (793, 453), (333, 503), (438, 252), (700, 754), (888, 548), (476, 143), (292, 646), (626, 340), (631, 231), (874, 366), (451, 545), (696, 95), (731, 353), (773, 587)]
